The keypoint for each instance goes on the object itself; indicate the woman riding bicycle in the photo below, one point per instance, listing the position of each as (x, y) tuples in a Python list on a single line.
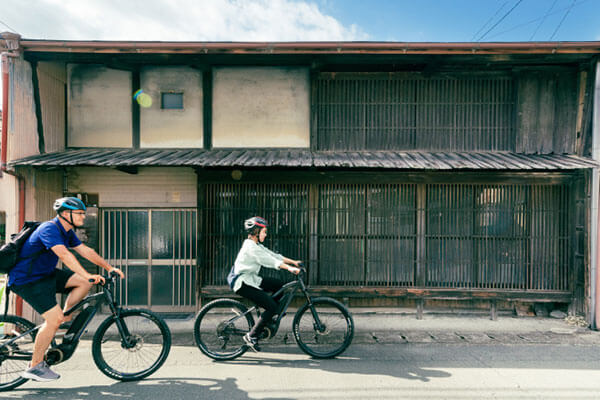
[(251, 257)]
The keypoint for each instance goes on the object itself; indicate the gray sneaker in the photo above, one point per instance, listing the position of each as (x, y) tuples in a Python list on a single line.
[(40, 373)]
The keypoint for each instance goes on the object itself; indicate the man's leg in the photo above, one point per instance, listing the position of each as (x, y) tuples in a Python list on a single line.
[(79, 288), (53, 318)]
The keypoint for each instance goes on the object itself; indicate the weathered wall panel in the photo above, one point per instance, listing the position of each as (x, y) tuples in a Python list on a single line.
[(546, 112), (52, 81), (46, 186), (99, 110), (171, 128), (566, 100), (261, 107), (22, 122), (151, 187)]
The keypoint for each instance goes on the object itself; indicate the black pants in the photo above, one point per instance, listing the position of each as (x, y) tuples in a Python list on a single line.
[(263, 299)]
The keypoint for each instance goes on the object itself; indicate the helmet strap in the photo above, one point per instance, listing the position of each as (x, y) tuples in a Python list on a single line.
[(66, 220)]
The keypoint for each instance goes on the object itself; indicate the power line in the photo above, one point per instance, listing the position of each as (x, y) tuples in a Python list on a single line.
[(489, 20), (534, 20), (543, 19), (500, 20), (563, 19), (6, 25)]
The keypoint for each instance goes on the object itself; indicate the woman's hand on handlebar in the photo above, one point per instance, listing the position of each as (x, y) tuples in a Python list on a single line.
[(291, 269)]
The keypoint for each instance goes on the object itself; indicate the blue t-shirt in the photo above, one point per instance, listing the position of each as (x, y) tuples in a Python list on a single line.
[(46, 236)]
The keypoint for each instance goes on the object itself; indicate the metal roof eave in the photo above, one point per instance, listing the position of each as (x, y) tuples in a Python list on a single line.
[(120, 47), (305, 158)]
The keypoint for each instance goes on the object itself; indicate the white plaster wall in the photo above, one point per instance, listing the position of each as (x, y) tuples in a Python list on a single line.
[(99, 106), (172, 128), (8, 202), (261, 107)]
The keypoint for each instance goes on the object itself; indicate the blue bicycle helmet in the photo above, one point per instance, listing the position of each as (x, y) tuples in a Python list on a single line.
[(68, 203)]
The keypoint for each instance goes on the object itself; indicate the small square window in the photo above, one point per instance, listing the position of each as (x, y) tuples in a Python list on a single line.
[(171, 101)]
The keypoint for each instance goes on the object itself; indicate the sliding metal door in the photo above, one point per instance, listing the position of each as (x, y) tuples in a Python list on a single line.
[(157, 250)]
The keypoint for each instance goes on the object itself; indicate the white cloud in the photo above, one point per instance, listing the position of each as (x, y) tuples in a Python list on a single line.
[(180, 20), (177, 20)]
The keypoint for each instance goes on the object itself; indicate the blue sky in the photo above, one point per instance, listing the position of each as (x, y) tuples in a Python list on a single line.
[(463, 20), (304, 20)]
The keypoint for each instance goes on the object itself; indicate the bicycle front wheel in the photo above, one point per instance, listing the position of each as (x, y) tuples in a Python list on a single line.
[(323, 328), (14, 357), (131, 346), (219, 329)]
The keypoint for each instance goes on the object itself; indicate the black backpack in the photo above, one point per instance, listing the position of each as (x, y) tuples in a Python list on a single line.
[(9, 253)]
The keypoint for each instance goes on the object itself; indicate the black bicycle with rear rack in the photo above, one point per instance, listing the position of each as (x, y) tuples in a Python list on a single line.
[(130, 344), (323, 327)]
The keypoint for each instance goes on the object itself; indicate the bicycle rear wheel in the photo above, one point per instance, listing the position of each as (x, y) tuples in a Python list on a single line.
[(15, 357), (334, 334), (219, 329), (140, 352)]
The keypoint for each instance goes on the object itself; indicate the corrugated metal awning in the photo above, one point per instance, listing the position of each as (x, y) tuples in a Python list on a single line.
[(304, 158)]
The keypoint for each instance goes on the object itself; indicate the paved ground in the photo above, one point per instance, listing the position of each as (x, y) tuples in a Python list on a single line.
[(393, 355), (419, 371), (389, 326), (385, 325)]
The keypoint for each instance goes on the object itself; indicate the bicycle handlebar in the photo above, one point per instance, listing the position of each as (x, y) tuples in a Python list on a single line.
[(111, 276)]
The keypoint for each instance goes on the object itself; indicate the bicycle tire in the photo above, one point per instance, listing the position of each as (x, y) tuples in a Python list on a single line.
[(338, 332), (11, 369), (214, 332), (149, 332)]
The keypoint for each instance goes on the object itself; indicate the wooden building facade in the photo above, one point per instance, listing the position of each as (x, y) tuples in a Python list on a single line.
[(402, 173)]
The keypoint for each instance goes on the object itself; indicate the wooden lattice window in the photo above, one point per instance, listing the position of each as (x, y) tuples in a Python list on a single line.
[(479, 236), (410, 111)]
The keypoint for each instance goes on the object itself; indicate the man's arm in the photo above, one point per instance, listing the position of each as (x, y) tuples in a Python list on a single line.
[(70, 261), (91, 255)]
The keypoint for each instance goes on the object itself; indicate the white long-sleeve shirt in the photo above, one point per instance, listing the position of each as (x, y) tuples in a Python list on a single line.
[(251, 257)]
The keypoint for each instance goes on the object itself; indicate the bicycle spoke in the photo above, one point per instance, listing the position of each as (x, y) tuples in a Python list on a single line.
[(14, 357), (137, 355), (328, 338), (219, 328)]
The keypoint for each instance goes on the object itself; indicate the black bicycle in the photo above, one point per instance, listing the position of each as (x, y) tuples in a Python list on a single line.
[(129, 345), (323, 327)]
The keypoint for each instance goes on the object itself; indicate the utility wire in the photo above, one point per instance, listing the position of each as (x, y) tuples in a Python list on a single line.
[(534, 20), (543, 19), (500, 20), (6, 25), (563, 19), (489, 20)]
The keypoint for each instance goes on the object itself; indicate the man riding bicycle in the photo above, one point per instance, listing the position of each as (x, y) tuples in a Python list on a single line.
[(37, 280), (250, 285)]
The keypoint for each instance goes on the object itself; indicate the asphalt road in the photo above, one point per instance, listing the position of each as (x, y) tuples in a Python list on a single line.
[(366, 371)]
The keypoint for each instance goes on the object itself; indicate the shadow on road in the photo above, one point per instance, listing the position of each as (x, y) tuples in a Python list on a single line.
[(348, 365), (173, 389)]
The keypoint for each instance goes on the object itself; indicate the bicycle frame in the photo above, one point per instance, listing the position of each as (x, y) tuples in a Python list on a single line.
[(291, 288), (63, 351)]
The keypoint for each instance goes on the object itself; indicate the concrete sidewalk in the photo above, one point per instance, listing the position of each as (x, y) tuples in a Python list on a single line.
[(393, 325)]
